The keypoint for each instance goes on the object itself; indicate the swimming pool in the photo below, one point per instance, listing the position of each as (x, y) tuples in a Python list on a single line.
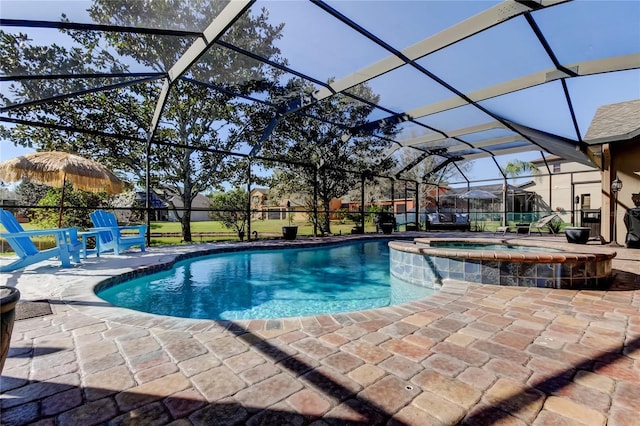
[(260, 284)]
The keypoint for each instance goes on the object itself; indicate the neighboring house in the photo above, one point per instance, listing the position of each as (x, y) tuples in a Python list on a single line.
[(259, 203), (521, 203), (265, 208), (395, 206), (7, 197), (570, 189), (136, 201), (200, 207), (159, 207)]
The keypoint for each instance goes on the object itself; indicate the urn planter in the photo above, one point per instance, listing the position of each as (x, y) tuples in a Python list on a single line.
[(289, 232), (577, 234), (387, 228), (9, 297)]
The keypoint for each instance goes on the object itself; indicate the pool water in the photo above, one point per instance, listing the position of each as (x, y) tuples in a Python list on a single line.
[(270, 284)]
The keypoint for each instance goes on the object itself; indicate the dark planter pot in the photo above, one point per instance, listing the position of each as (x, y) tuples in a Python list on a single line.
[(577, 234), (289, 232), (241, 235), (357, 230), (387, 228), (9, 296)]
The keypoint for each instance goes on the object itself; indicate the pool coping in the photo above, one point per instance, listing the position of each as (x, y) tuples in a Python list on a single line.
[(582, 254)]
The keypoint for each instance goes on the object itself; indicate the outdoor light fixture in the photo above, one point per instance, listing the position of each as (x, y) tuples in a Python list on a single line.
[(616, 186)]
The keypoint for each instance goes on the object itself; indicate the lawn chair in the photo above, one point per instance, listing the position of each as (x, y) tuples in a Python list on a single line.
[(544, 222), (111, 236), (67, 244)]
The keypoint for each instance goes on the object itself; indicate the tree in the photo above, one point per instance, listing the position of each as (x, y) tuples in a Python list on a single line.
[(322, 154), (78, 204), (230, 208), (420, 173), (199, 123), (518, 167), (30, 194)]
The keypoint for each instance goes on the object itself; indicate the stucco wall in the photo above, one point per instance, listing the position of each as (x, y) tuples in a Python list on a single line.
[(623, 162)]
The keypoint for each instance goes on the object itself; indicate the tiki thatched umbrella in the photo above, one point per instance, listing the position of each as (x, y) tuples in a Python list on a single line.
[(57, 168)]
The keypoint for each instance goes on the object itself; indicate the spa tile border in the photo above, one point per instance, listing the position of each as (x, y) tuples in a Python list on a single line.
[(571, 268)]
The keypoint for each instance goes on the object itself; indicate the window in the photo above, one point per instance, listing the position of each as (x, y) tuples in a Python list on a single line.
[(556, 168), (586, 201)]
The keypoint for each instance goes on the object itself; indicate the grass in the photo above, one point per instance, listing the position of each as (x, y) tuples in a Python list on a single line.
[(201, 231), (170, 233)]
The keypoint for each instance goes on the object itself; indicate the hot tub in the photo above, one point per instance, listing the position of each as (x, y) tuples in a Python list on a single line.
[(523, 263)]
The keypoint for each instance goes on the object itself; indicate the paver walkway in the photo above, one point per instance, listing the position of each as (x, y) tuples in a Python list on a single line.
[(470, 354)]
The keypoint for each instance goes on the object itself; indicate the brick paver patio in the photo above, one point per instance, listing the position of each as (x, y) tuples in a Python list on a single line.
[(469, 354)]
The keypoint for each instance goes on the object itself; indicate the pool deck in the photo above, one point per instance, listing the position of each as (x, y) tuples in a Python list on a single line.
[(471, 354)]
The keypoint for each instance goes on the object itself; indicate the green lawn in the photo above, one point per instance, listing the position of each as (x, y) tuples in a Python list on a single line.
[(267, 229)]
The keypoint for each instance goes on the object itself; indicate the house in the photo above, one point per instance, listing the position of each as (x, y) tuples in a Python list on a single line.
[(521, 203), (200, 207), (265, 208), (130, 207), (568, 188)]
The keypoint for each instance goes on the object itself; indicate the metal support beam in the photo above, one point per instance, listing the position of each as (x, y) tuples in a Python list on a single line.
[(153, 126), (476, 24), (597, 66), (419, 159), (363, 181), (230, 14), (265, 135), (249, 200), (440, 166), (78, 93), (315, 202)]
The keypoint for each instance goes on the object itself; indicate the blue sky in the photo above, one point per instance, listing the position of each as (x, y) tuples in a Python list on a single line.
[(321, 47)]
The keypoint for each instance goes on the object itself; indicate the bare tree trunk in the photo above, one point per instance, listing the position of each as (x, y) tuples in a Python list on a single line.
[(187, 198), (326, 226), (185, 223)]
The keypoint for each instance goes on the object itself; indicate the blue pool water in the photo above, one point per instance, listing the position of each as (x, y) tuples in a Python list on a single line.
[(270, 284)]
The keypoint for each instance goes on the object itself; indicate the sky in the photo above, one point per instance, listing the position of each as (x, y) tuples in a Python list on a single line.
[(323, 48)]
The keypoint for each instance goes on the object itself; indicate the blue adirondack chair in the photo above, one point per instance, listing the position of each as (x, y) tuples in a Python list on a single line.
[(111, 236), (67, 244)]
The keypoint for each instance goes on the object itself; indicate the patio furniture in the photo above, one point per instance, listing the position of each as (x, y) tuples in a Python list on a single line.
[(66, 239), (632, 222), (447, 222), (111, 235), (519, 228), (84, 236), (544, 222)]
